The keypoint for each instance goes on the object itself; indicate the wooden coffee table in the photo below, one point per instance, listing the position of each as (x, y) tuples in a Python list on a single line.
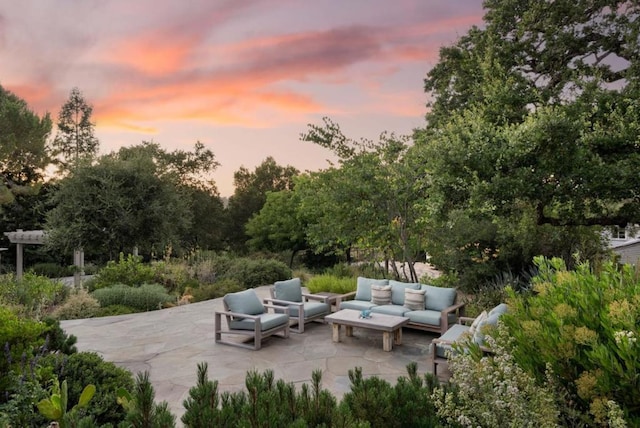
[(350, 318)]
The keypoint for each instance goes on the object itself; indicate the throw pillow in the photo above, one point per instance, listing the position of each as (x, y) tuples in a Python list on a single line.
[(414, 299), (381, 294), (476, 322)]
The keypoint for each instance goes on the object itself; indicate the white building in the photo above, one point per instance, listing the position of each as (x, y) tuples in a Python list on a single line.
[(625, 241)]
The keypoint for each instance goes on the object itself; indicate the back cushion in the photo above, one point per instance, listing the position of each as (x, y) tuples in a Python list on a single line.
[(363, 292), (397, 290), (289, 290), (439, 298), (244, 302), (381, 294)]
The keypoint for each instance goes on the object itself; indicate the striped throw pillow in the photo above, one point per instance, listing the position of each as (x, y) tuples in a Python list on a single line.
[(381, 294), (414, 299)]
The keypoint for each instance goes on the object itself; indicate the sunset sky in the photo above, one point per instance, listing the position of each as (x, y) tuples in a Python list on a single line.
[(242, 77)]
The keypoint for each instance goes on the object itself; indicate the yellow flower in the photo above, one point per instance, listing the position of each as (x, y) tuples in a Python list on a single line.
[(622, 313), (598, 409), (563, 277), (532, 328), (585, 336), (542, 288), (587, 383), (564, 311)]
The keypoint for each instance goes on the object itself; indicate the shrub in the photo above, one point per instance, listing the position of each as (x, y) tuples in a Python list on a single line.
[(256, 272), (141, 409), (147, 297), (86, 368), (111, 310), (493, 391), (33, 293), (331, 284), (215, 290), (52, 270), (375, 401), (78, 305), (583, 326), (127, 270), (174, 277)]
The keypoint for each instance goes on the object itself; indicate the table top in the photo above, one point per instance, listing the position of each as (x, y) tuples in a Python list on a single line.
[(351, 317)]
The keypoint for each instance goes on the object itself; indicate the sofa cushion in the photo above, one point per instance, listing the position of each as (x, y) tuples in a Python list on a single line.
[(244, 302), (289, 290), (454, 334), (426, 317), (438, 298), (414, 299), (500, 309), (267, 322), (310, 309), (397, 290), (396, 310), (363, 290), (476, 322), (489, 322), (381, 294), (357, 305)]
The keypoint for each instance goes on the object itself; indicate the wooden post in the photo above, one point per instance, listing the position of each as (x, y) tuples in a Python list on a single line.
[(19, 261)]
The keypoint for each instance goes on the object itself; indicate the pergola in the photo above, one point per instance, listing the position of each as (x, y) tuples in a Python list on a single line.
[(38, 237)]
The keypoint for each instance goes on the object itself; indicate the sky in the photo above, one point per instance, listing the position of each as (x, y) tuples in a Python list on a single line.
[(244, 78)]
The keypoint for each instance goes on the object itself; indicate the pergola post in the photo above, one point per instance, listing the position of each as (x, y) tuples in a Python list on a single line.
[(21, 238), (78, 262), (19, 261)]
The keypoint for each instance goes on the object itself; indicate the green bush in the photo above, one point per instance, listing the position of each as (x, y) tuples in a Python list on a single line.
[(52, 270), (331, 283), (78, 305), (215, 290), (34, 294), (174, 277), (583, 327), (111, 310), (127, 270), (86, 368), (256, 272), (147, 297), (493, 391)]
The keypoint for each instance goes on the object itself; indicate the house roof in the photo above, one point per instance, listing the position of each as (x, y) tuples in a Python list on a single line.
[(622, 244)]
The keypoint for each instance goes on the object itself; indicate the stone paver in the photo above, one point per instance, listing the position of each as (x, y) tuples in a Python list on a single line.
[(170, 343)]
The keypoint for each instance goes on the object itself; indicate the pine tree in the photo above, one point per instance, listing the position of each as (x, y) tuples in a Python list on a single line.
[(75, 140)]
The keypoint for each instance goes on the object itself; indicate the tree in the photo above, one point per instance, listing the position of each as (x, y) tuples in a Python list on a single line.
[(277, 226), (23, 155), (119, 203), (250, 195), (75, 140), (533, 132), (370, 201)]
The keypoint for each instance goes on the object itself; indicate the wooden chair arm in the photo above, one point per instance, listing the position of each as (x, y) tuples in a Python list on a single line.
[(280, 303), (238, 315), (465, 320), (283, 309), (309, 296), (455, 307)]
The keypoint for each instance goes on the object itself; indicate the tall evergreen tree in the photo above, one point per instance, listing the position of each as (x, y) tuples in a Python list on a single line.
[(75, 140)]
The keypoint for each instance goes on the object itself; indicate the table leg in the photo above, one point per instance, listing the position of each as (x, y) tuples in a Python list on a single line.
[(348, 330), (336, 332), (387, 344), (397, 337)]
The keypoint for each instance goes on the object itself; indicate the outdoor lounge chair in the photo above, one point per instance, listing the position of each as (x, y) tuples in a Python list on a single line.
[(247, 316), (303, 307)]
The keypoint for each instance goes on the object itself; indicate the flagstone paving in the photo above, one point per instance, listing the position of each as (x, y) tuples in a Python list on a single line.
[(171, 342)]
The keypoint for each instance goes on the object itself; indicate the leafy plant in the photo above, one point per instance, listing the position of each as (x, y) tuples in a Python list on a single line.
[(331, 283), (582, 326), (33, 294), (217, 289), (256, 272), (147, 297), (142, 411), (55, 406), (78, 305), (129, 270)]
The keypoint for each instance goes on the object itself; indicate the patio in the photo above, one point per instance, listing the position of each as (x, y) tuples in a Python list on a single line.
[(170, 343)]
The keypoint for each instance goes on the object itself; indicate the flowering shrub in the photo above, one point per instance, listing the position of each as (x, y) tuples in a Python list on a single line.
[(78, 305), (493, 391), (583, 325)]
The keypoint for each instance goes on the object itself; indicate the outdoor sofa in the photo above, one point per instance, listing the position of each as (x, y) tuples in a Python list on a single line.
[(428, 307)]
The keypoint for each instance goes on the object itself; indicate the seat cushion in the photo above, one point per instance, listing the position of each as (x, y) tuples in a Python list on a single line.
[(358, 305), (397, 290), (414, 299), (424, 317), (363, 290), (438, 298), (454, 333), (381, 294), (289, 290), (244, 302), (311, 309), (396, 310), (267, 322)]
